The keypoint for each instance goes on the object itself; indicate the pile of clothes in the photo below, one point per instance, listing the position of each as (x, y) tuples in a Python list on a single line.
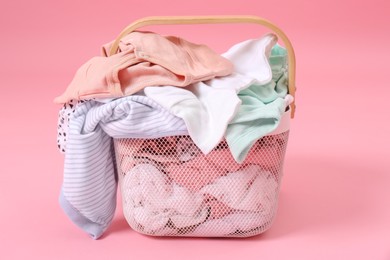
[(191, 129), (169, 187)]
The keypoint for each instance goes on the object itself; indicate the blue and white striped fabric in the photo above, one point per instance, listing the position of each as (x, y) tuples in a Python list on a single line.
[(88, 194)]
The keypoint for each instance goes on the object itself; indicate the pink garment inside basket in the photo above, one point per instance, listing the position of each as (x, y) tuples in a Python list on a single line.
[(195, 173)]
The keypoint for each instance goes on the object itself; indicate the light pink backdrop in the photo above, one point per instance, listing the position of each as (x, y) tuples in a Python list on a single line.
[(335, 198)]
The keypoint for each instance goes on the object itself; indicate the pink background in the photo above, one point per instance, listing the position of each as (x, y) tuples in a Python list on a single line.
[(335, 198)]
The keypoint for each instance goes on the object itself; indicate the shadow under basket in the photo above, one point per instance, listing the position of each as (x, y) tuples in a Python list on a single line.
[(170, 188)]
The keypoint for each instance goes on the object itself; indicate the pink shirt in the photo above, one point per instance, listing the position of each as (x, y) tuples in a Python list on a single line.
[(145, 59)]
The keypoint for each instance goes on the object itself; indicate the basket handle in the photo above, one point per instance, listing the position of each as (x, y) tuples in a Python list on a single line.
[(163, 20)]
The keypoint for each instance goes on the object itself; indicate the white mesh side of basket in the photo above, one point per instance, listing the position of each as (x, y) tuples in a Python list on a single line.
[(169, 188)]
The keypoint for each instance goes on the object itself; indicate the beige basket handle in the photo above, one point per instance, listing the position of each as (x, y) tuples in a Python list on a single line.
[(161, 20)]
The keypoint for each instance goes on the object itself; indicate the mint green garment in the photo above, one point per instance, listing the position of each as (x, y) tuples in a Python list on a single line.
[(261, 109)]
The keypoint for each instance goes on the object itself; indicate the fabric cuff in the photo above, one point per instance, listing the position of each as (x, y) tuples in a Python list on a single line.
[(95, 230)]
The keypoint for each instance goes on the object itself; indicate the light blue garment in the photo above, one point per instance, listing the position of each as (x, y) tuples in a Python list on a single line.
[(261, 108), (88, 194)]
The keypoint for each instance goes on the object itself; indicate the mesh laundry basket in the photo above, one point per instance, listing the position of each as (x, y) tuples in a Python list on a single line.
[(169, 188)]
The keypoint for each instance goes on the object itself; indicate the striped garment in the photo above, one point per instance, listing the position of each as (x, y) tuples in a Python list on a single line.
[(88, 193)]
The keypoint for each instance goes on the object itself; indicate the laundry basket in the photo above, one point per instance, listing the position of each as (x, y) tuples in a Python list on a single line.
[(170, 188)]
